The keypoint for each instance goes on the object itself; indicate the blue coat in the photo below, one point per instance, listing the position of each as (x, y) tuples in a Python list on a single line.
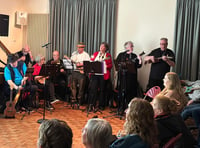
[(129, 141)]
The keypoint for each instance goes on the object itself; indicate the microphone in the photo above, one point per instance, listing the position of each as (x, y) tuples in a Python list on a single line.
[(46, 44)]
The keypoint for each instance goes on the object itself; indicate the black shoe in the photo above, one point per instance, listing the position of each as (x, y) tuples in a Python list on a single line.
[(101, 108)]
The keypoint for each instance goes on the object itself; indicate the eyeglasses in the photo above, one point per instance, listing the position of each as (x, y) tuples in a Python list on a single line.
[(163, 43)]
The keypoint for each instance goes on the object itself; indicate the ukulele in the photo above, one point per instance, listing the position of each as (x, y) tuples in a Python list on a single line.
[(10, 111), (156, 60)]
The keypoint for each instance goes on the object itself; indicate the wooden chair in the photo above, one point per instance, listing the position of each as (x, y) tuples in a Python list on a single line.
[(171, 143)]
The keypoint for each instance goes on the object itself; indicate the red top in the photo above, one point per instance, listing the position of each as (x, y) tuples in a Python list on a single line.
[(37, 69)]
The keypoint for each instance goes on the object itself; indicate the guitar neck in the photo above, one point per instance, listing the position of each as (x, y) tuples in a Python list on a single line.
[(11, 94), (161, 58)]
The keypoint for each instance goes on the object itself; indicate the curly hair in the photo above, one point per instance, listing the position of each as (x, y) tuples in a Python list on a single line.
[(140, 120), (55, 133)]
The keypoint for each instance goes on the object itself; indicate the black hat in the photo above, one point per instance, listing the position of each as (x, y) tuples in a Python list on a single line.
[(12, 58)]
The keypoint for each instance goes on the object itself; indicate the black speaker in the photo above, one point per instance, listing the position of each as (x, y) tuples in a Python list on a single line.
[(4, 25)]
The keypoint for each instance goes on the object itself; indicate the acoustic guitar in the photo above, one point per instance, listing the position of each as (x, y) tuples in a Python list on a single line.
[(10, 111)]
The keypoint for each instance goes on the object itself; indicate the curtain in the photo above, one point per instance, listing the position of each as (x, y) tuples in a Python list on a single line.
[(186, 39), (88, 21)]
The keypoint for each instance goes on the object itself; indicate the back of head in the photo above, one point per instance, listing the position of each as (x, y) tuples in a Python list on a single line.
[(55, 134), (98, 133), (140, 120), (164, 104)]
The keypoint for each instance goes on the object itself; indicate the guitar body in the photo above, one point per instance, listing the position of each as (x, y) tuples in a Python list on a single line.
[(10, 110)]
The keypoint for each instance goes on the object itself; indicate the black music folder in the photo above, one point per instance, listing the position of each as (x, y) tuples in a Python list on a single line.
[(49, 69), (93, 67), (129, 66)]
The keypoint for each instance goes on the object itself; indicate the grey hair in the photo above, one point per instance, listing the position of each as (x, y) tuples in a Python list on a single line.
[(99, 133), (166, 39), (38, 58), (126, 43)]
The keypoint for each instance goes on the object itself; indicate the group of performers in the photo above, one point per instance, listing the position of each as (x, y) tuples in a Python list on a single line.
[(126, 64)]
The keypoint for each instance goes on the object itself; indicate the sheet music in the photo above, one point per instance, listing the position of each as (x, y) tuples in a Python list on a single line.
[(67, 64)]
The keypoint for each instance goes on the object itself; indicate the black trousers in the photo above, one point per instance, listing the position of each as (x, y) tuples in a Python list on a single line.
[(97, 90)]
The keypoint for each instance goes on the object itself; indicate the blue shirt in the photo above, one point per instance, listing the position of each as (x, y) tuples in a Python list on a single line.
[(18, 76)]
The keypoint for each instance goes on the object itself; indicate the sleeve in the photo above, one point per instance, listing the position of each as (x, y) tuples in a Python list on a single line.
[(7, 74), (108, 61)]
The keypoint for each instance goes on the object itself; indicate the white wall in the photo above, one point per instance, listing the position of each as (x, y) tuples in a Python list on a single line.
[(145, 22), (14, 41)]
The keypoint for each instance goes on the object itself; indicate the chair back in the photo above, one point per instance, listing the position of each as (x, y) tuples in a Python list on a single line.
[(152, 92), (171, 143)]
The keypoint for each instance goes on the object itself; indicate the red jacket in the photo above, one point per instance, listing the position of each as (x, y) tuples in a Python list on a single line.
[(108, 62)]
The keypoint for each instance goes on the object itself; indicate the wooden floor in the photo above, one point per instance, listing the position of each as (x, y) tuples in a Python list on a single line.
[(18, 132)]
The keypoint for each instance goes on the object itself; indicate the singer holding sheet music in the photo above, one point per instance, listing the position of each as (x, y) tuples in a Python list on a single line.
[(162, 59), (78, 76), (127, 84), (98, 81)]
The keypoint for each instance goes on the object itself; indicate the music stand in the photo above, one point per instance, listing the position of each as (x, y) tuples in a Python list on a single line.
[(94, 67), (47, 70), (122, 67)]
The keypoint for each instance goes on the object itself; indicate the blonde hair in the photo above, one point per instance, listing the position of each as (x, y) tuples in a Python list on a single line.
[(140, 120), (175, 85)]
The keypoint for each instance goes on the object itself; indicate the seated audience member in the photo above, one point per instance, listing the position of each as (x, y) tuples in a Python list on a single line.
[(55, 133), (14, 74), (193, 107), (192, 90), (173, 90), (78, 76), (97, 133), (25, 55), (43, 82), (169, 124), (60, 77), (140, 129)]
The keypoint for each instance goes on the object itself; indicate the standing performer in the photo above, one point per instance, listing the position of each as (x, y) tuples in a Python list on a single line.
[(162, 59), (98, 81), (78, 76), (128, 64)]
